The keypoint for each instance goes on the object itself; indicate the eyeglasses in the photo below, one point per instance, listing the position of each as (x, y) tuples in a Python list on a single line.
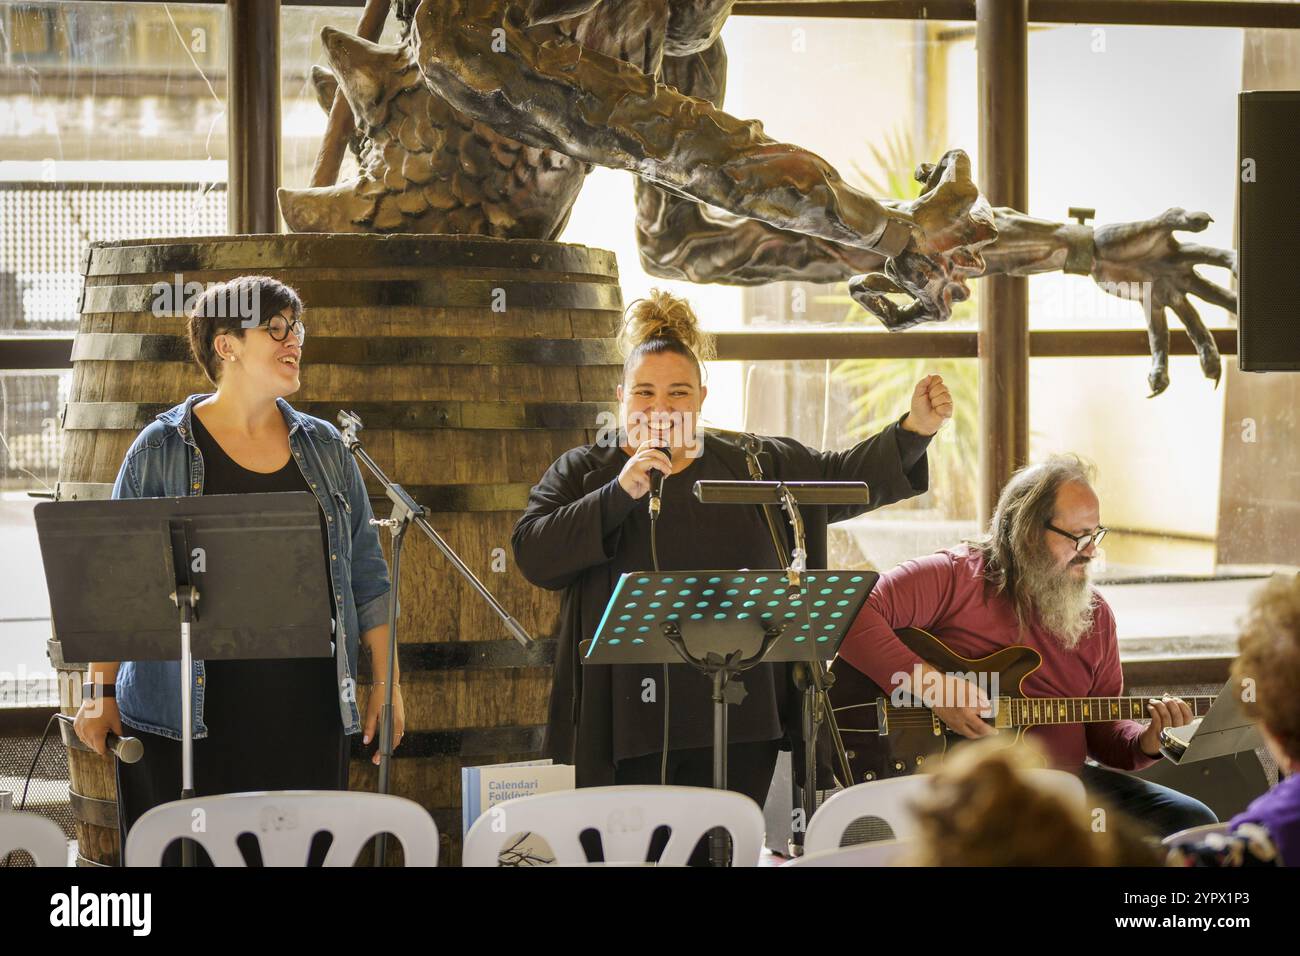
[(1081, 541), (279, 328)]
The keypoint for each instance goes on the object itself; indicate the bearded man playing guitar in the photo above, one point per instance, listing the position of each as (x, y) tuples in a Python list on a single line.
[(1017, 605)]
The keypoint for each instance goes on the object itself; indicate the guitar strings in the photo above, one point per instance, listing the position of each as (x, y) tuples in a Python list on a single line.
[(914, 717)]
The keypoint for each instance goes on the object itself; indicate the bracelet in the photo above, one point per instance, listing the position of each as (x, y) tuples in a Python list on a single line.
[(385, 683), (105, 690), (894, 236), (1081, 251)]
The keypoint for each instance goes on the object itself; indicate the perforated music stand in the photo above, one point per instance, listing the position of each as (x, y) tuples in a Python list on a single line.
[(126, 577), (722, 623)]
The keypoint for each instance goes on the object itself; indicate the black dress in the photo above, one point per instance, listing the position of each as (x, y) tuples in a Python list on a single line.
[(690, 536), (581, 531), (272, 724)]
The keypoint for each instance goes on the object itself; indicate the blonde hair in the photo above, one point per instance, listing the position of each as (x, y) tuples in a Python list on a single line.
[(984, 810), (1269, 655), (661, 322)]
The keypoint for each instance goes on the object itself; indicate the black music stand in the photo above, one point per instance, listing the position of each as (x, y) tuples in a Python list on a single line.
[(722, 623), (220, 577), (810, 677)]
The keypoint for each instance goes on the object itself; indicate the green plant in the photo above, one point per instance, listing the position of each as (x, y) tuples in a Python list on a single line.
[(882, 386)]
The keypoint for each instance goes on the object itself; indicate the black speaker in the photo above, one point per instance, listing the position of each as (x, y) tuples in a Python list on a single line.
[(1268, 238)]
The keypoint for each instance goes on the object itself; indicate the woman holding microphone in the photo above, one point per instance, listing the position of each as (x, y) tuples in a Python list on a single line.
[(587, 523), (258, 724)]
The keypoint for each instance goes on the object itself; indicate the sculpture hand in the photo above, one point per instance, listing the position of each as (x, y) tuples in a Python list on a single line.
[(950, 222), (1143, 261)]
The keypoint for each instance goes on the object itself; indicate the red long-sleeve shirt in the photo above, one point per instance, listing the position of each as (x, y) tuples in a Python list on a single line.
[(943, 593)]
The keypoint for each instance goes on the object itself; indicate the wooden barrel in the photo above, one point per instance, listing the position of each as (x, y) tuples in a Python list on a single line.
[(474, 363), (92, 779)]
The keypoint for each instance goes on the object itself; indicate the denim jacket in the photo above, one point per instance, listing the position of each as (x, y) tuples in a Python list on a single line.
[(165, 462)]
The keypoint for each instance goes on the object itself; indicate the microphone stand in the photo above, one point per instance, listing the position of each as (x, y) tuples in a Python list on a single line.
[(405, 513), (813, 679), (810, 677)]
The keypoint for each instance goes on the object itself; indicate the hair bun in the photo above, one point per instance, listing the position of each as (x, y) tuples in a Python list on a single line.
[(662, 315)]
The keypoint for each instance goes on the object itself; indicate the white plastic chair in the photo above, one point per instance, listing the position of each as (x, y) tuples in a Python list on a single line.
[(880, 853), (1066, 785), (284, 823), (626, 818), (40, 837), (1194, 834), (890, 800)]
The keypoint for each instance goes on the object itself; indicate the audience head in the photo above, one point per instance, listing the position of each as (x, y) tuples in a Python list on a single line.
[(1266, 673), (984, 809)]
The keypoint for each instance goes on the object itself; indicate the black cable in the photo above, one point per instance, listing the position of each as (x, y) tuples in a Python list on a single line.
[(22, 804), (663, 761)]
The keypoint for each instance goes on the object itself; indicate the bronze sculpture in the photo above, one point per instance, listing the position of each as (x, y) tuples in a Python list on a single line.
[(488, 114)]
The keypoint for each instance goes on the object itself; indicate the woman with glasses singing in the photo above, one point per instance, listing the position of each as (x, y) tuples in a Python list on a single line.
[(270, 724)]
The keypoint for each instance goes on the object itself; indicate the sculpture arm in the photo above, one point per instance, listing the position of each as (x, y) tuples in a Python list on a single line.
[(535, 85), (1142, 261), (680, 238)]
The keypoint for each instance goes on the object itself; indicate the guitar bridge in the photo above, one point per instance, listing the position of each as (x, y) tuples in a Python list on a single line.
[(882, 717)]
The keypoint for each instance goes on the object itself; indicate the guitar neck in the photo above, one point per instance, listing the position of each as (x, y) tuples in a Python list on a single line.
[(1026, 711)]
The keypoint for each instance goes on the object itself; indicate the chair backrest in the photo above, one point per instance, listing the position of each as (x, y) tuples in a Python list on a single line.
[(285, 823), (1194, 834), (888, 800), (1064, 784), (40, 837), (626, 818), (880, 853)]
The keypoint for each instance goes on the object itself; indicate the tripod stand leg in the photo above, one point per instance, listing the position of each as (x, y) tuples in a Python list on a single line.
[(809, 792), (813, 680), (719, 849), (386, 711), (187, 726), (837, 742)]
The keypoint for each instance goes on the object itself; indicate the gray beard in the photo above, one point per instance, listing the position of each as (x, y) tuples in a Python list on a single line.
[(1063, 602)]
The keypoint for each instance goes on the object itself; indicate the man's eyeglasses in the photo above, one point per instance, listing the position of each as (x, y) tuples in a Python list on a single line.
[(1081, 541), (279, 328)]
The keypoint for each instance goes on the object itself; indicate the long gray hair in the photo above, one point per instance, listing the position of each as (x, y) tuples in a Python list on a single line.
[(1015, 534)]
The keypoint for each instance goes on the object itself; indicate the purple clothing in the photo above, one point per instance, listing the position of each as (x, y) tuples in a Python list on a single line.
[(1278, 811)]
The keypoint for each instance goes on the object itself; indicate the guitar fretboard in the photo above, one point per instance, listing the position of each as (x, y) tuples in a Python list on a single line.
[(1023, 711)]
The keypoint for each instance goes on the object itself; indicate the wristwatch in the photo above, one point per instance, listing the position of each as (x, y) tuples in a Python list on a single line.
[(105, 690)]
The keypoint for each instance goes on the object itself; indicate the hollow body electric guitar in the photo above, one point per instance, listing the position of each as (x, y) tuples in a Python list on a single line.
[(883, 739)]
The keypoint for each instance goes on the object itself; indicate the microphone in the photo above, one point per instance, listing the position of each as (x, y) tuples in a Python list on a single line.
[(656, 485), (127, 749)]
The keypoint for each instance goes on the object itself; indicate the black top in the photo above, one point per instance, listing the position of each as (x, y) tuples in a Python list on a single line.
[(581, 531), (281, 689), (690, 536), (273, 724), (222, 475)]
